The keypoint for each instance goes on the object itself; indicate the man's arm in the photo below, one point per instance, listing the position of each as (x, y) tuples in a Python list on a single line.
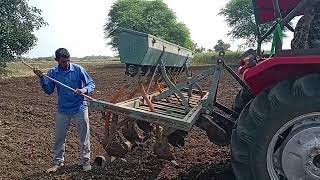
[(46, 84), (301, 33), (89, 84)]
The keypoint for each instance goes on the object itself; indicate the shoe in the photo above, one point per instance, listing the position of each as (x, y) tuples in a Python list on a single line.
[(86, 167), (54, 168)]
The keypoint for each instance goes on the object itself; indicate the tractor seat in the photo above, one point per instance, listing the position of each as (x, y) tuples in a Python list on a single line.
[(298, 52)]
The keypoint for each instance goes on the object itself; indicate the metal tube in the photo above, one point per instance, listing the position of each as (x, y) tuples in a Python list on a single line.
[(277, 11), (155, 71), (259, 37), (91, 98), (58, 82), (290, 27), (301, 6), (276, 8), (268, 32)]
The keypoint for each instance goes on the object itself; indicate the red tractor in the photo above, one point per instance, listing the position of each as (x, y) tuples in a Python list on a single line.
[(277, 135), (274, 125)]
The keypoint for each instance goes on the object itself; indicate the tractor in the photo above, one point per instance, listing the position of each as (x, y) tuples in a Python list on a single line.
[(273, 127)]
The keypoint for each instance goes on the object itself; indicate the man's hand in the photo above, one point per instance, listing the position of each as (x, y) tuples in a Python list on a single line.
[(81, 91), (38, 72)]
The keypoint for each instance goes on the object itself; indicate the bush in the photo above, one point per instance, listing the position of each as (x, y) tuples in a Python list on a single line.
[(211, 58), (96, 58), (2, 67)]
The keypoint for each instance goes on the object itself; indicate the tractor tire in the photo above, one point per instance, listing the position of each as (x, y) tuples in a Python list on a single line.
[(269, 141), (242, 98)]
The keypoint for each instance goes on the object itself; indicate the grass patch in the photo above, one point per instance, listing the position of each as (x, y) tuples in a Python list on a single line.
[(18, 69), (231, 58)]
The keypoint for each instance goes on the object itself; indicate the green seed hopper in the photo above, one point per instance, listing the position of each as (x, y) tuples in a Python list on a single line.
[(143, 49)]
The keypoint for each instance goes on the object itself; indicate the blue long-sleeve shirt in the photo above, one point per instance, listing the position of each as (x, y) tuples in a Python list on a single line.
[(75, 77)]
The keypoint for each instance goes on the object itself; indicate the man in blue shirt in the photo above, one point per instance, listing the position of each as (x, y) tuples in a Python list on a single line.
[(71, 106)]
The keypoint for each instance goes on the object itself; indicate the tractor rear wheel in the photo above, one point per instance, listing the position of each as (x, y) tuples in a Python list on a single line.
[(242, 98), (278, 135)]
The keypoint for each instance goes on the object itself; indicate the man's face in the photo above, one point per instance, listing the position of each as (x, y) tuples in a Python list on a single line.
[(64, 62)]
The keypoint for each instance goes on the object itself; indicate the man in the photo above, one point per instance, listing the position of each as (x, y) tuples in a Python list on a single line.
[(71, 105), (307, 31)]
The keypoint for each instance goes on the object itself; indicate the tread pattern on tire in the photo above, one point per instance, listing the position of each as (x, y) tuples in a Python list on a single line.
[(241, 100), (268, 111)]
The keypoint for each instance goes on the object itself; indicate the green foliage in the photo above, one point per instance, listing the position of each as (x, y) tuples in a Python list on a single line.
[(198, 49), (3, 65), (43, 59), (17, 23), (152, 17), (96, 57), (76, 59), (211, 58), (239, 16), (221, 46)]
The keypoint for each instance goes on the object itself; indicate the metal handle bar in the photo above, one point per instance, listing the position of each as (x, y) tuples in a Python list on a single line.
[(58, 82)]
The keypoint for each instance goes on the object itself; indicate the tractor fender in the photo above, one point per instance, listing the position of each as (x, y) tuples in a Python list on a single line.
[(273, 70)]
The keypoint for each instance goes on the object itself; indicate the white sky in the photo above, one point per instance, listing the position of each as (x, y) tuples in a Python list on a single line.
[(78, 25)]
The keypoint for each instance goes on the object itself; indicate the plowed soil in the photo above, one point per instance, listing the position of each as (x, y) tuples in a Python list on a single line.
[(27, 131)]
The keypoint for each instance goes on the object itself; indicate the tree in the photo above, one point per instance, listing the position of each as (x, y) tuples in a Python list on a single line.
[(152, 17), (198, 49), (221, 46), (17, 22), (239, 16)]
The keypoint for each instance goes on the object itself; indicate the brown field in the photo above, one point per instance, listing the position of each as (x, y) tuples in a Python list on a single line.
[(27, 131)]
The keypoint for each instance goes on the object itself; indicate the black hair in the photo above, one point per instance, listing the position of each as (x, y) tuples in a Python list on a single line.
[(62, 53)]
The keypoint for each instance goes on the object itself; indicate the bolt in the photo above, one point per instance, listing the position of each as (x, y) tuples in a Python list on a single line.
[(207, 112)]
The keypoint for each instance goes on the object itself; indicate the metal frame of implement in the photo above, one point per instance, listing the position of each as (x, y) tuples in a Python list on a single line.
[(181, 113)]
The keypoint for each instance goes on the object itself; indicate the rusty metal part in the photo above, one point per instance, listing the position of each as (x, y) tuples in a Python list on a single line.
[(159, 87), (177, 138), (146, 98), (215, 133), (111, 130), (150, 105), (145, 127), (161, 147), (114, 99), (118, 148), (110, 135), (120, 93), (102, 160), (130, 133)]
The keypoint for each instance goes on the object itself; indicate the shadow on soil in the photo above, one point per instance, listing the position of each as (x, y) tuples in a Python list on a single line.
[(75, 172), (219, 171)]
